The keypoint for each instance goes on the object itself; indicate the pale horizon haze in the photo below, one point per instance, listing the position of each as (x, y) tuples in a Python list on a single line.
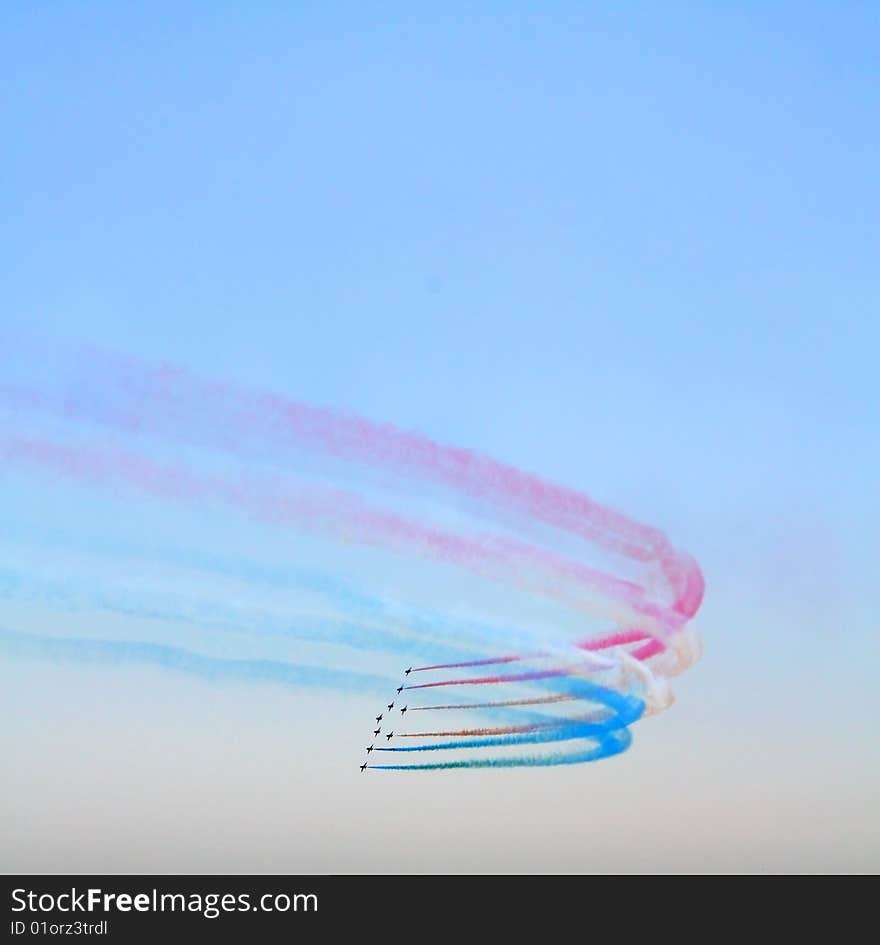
[(632, 248)]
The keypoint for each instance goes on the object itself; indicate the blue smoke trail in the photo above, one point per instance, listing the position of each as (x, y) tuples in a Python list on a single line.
[(422, 627), (610, 733), (208, 614), (114, 652), (611, 743)]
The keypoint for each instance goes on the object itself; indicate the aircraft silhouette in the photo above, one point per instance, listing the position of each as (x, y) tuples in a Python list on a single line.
[(408, 671), (369, 749), (389, 736), (399, 690), (403, 710), (379, 729), (363, 767), (378, 718), (390, 705)]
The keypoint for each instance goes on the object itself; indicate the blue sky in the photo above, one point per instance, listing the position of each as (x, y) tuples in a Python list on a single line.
[(631, 247)]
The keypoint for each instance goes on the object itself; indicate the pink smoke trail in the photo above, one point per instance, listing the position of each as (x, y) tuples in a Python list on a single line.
[(283, 422), (497, 558)]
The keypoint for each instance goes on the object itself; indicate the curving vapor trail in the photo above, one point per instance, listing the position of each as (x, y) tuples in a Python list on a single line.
[(588, 608)]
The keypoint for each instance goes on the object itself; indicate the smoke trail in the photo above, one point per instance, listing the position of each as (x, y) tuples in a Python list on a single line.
[(527, 538), (610, 744), (423, 627), (601, 729), (490, 680), (337, 513), (208, 614), (177, 659), (540, 700), (171, 401)]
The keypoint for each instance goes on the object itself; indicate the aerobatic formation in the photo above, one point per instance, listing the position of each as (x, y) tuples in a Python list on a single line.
[(156, 517)]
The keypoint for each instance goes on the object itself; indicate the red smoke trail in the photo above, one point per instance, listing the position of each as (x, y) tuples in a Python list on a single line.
[(502, 730), (618, 638), (541, 700), (486, 662), (489, 680)]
